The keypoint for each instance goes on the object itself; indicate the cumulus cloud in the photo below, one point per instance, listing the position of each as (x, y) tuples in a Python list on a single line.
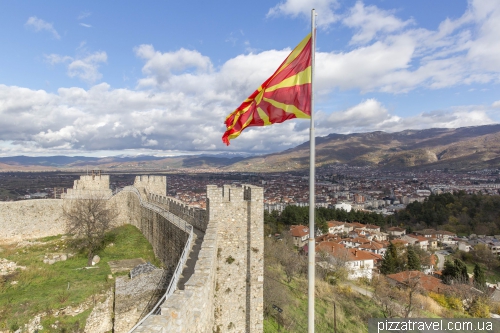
[(85, 68), (294, 8), (182, 98), (371, 115), (370, 20), (160, 67), (101, 118), (396, 56), (39, 25)]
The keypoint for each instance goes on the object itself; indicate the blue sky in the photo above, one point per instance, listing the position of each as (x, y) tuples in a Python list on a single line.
[(107, 78)]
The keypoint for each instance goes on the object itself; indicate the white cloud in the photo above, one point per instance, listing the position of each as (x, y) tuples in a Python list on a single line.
[(85, 25), (39, 25), (182, 99), (324, 8), (160, 67), (85, 68), (83, 15), (371, 115), (370, 20)]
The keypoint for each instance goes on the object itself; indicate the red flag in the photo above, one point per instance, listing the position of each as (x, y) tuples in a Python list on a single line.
[(285, 95)]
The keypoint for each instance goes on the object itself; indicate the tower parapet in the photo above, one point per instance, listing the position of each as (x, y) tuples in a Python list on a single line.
[(153, 184), (95, 185), (225, 292)]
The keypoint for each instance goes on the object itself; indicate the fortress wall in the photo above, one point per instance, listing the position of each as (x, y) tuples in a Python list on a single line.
[(153, 184), (92, 183), (128, 207), (166, 239), (31, 219), (226, 290), (197, 217), (240, 261)]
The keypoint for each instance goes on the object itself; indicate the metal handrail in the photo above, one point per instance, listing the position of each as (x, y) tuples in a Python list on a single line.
[(181, 224)]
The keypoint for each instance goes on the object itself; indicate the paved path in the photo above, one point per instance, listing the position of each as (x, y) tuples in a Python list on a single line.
[(441, 260), (193, 257), (360, 290)]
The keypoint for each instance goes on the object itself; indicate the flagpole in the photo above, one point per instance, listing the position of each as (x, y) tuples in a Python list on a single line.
[(312, 157)]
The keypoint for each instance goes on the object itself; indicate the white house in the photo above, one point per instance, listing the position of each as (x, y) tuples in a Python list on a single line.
[(344, 206)]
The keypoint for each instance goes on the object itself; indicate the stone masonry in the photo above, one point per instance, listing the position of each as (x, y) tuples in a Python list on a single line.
[(225, 291), (30, 219)]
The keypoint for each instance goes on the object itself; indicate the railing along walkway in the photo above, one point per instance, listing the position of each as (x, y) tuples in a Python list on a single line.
[(181, 224)]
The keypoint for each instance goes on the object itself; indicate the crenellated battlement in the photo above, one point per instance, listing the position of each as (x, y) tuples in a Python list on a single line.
[(224, 288), (195, 216), (153, 184), (225, 292), (95, 185), (231, 193)]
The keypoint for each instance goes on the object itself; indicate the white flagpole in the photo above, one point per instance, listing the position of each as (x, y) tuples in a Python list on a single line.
[(312, 158)]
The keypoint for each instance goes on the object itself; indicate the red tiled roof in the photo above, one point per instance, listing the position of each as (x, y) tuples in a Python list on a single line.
[(299, 231), (427, 282), (361, 240), (395, 229), (417, 237), (355, 255), (330, 247), (334, 223), (329, 238), (372, 246)]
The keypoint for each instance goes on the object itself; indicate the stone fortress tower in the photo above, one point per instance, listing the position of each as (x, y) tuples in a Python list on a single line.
[(220, 289)]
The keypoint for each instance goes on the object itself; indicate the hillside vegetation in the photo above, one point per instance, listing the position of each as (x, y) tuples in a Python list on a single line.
[(460, 213), (41, 288), (285, 286), (461, 148)]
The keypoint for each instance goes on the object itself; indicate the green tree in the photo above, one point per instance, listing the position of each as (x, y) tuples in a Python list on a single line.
[(479, 278), (449, 272), (390, 261), (413, 260), (463, 277), (455, 272)]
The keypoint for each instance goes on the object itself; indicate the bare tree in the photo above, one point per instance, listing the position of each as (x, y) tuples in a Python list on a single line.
[(88, 219), (387, 297), (483, 254), (413, 287)]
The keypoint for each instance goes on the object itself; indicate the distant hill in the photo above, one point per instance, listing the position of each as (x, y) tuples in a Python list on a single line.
[(463, 148), (141, 162)]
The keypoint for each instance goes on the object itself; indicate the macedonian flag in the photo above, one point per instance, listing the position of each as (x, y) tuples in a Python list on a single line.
[(285, 95)]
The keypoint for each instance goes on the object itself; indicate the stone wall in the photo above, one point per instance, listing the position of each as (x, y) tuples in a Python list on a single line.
[(197, 217), (225, 293), (90, 185), (240, 262), (166, 238), (153, 184), (29, 219)]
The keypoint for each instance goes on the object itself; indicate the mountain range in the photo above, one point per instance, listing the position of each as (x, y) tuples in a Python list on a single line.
[(464, 148)]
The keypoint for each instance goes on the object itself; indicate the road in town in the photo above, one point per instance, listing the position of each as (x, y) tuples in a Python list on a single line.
[(441, 259)]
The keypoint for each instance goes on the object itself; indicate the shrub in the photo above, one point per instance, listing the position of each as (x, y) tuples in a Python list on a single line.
[(439, 298)]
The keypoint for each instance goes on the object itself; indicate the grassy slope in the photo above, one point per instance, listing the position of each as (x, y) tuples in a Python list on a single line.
[(44, 288), (353, 310)]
